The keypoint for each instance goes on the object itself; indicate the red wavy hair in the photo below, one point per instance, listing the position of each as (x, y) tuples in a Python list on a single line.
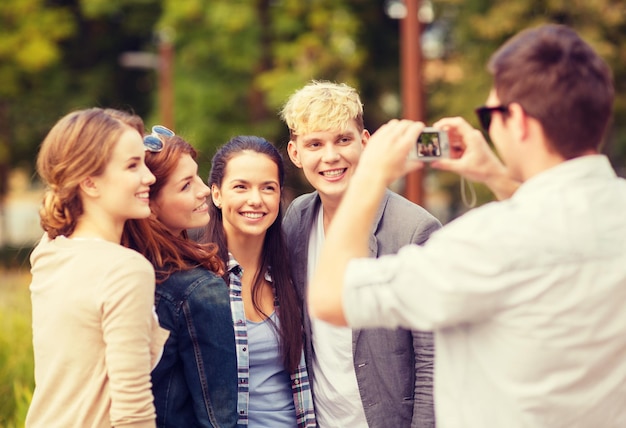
[(166, 252)]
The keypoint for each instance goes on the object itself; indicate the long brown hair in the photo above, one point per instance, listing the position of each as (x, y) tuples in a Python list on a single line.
[(80, 144), (274, 256), (166, 252)]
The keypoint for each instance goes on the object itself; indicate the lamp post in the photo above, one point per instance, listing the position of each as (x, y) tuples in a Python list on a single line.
[(163, 63), (166, 80), (411, 86)]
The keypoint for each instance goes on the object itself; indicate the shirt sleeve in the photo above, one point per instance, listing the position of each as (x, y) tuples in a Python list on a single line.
[(456, 277), (128, 326)]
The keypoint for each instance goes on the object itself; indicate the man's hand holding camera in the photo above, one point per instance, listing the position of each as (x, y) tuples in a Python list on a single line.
[(472, 158), (452, 144)]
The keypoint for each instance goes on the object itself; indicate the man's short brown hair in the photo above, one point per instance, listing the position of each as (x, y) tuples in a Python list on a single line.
[(559, 80)]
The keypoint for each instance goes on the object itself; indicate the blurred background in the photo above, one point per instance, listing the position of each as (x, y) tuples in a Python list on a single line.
[(213, 69)]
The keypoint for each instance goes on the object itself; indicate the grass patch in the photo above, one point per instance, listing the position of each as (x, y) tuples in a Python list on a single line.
[(16, 348)]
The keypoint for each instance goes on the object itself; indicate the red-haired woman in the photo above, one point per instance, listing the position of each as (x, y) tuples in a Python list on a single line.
[(195, 383)]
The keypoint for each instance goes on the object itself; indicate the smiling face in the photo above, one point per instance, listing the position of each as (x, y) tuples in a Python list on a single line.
[(123, 188), (249, 195), (329, 158), (181, 202)]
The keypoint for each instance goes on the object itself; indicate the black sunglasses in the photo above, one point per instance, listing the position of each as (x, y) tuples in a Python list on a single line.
[(153, 142), (484, 114)]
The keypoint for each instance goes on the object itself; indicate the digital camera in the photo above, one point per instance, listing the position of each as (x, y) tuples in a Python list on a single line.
[(432, 144)]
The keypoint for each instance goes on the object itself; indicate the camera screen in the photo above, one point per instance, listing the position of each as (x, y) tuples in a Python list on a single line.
[(428, 144)]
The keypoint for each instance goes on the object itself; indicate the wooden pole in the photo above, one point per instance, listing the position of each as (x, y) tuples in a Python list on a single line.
[(411, 86), (166, 83)]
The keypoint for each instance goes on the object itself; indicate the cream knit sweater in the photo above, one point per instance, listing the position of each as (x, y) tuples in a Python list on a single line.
[(95, 335)]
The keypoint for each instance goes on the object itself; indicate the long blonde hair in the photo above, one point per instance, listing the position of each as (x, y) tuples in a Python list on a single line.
[(79, 145)]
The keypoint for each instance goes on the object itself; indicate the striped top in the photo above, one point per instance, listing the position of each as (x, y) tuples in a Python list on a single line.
[(300, 386)]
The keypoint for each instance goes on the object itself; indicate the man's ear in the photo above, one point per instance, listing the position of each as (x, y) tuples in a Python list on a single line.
[(89, 187), (216, 196), (292, 150), (520, 121), (365, 136)]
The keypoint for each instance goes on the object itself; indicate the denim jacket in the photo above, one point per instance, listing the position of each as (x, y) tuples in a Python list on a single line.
[(195, 383)]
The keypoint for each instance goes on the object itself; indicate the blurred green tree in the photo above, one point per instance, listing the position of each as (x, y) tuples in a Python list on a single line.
[(29, 37), (236, 61), (459, 81), (56, 56)]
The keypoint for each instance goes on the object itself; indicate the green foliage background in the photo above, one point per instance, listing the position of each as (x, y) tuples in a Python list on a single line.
[(236, 61), (16, 363)]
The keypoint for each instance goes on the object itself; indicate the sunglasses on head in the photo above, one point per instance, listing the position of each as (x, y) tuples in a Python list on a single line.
[(153, 142), (485, 113)]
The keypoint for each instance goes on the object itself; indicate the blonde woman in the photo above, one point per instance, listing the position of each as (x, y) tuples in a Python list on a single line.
[(95, 334)]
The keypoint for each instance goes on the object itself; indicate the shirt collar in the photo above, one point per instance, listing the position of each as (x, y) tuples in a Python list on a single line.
[(235, 267), (580, 168)]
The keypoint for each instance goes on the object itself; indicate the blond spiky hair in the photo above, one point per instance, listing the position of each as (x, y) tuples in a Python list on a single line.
[(322, 106)]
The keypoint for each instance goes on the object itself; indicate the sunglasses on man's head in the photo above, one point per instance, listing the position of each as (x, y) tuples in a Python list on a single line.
[(153, 142), (485, 113)]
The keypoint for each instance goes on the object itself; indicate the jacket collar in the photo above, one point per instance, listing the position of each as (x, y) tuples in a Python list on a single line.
[(311, 208)]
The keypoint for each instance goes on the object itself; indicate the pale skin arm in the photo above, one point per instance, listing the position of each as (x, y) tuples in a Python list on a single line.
[(472, 158), (383, 161)]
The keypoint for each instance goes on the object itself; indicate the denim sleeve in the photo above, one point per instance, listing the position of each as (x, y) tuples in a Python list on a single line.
[(207, 345)]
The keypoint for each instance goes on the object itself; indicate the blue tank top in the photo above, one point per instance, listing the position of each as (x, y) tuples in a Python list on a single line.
[(271, 398)]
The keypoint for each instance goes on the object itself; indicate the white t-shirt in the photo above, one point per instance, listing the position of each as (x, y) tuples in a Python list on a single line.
[(335, 390), (526, 298)]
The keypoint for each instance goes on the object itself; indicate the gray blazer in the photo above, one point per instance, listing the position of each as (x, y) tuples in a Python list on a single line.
[(394, 368)]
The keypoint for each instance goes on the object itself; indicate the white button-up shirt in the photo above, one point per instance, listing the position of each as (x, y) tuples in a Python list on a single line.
[(527, 298)]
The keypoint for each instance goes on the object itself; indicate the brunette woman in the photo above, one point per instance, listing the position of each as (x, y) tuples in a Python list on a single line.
[(246, 180)]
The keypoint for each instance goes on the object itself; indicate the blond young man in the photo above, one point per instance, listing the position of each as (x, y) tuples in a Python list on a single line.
[(360, 378)]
